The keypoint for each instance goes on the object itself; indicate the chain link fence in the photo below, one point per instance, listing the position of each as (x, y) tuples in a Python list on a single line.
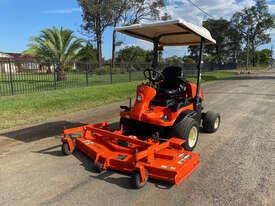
[(28, 77)]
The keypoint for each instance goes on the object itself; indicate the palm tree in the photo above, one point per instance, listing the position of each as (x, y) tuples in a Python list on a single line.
[(56, 46)]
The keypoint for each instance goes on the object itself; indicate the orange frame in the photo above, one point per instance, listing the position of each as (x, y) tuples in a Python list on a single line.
[(142, 111)]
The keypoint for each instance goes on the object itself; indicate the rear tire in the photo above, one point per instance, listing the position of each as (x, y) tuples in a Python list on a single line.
[(211, 122), (65, 149), (188, 129)]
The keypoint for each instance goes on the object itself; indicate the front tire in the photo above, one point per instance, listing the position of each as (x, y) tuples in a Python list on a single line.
[(188, 129), (99, 167), (137, 183), (211, 122), (65, 149)]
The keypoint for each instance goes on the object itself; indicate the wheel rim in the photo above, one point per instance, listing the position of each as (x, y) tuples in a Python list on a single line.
[(193, 136), (217, 123)]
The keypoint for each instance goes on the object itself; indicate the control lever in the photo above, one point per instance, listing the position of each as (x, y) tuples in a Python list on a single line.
[(125, 108)]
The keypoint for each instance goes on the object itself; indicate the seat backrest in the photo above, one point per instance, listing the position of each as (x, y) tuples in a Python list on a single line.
[(173, 76)]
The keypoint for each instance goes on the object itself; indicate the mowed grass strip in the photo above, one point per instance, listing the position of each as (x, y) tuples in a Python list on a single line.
[(38, 107)]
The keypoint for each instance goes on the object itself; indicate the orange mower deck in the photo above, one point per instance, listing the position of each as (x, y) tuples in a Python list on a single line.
[(166, 161)]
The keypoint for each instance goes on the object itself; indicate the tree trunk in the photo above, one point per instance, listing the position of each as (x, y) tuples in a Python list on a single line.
[(60, 74), (49, 71), (99, 35), (113, 47), (99, 49), (218, 55), (235, 56), (253, 55), (247, 53)]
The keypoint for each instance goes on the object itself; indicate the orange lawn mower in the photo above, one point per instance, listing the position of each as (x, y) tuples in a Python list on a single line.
[(158, 133)]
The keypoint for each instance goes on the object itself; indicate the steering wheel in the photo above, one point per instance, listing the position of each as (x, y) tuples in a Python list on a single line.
[(153, 76)]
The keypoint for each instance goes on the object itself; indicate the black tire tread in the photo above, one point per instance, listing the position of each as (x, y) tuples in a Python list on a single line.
[(65, 149), (182, 129), (209, 121), (137, 183)]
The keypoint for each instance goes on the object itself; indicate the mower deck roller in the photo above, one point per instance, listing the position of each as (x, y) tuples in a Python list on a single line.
[(166, 161)]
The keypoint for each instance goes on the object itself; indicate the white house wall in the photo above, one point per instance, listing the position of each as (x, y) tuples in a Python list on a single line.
[(5, 68)]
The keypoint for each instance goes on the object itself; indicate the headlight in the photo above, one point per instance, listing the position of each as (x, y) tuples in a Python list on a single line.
[(139, 98)]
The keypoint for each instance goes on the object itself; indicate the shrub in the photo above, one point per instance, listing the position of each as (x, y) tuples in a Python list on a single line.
[(106, 70), (102, 70)]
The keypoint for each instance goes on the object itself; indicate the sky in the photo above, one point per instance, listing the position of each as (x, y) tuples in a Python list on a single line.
[(22, 19)]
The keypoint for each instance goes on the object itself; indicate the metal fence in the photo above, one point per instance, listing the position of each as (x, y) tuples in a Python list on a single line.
[(28, 77)]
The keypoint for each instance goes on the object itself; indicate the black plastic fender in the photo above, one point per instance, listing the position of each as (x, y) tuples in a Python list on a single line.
[(189, 113)]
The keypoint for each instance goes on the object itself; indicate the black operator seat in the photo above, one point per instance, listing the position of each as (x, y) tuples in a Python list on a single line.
[(173, 80), (170, 88)]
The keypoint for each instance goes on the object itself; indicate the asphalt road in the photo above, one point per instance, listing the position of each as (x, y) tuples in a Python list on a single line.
[(237, 163)]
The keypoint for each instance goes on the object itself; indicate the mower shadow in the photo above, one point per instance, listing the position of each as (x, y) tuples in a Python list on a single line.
[(54, 151), (58, 131), (122, 181), (41, 131)]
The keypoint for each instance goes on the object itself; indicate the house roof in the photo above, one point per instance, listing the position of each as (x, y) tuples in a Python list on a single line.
[(170, 33), (15, 57)]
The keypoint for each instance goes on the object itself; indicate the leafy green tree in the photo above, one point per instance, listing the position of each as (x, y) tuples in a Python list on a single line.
[(193, 53), (134, 54), (225, 37), (56, 45), (253, 24), (188, 60), (100, 14), (234, 45), (264, 57), (87, 57), (127, 12), (210, 58), (228, 43), (174, 60), (88, 53), (97, 16)]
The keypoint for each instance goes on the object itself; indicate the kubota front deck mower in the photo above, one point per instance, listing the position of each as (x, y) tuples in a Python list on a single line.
[(157, 133)]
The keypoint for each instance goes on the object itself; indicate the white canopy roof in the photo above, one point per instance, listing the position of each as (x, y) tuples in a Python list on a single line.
[(170, 33)]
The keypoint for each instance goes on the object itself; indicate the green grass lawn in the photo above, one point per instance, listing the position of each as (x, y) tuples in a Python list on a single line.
[(33, 82), (36, 107)]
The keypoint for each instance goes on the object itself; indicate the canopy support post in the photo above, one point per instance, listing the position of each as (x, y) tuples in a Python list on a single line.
[(155, 60), (198, 100)]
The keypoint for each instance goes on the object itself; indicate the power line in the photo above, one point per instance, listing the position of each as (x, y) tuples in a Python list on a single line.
[(195, 5)]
